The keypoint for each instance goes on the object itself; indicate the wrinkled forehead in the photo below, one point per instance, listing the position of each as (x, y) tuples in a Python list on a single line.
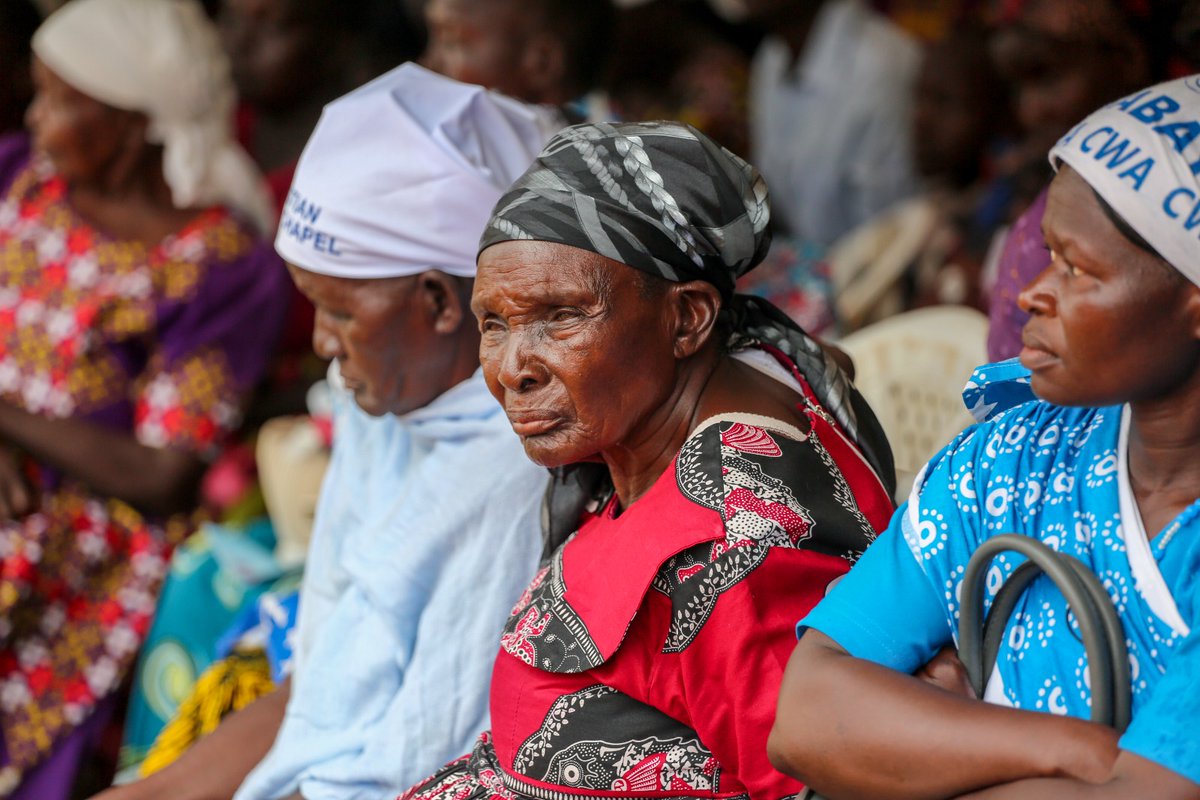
[(530, 271)]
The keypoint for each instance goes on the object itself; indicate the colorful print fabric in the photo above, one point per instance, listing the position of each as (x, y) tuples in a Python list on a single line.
[(1059, 475), (160, 341)]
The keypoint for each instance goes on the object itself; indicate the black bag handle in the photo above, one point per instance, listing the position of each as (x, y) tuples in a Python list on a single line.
[(979, 639)]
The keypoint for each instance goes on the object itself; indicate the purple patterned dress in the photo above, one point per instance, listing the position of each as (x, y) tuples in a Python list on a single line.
[(162, 342)]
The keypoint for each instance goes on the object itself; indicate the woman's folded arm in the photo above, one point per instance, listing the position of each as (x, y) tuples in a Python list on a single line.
[(851, 728)]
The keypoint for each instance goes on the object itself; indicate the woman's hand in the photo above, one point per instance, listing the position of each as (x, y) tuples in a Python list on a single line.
[(946, 672), (155, 480), (16, 496)]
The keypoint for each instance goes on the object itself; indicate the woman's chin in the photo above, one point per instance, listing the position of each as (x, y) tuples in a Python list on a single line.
[(1057, 394), (545, 452)]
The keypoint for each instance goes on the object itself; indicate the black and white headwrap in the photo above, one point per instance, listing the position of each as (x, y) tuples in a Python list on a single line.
[(665, 199), (660, 197)]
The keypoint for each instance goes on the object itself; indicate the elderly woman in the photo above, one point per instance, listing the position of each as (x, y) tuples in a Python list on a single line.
[(137, 304), (1104, 464), (715, 472)]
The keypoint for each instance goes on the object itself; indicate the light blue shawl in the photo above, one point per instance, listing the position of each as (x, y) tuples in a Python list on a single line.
[(427, 530)]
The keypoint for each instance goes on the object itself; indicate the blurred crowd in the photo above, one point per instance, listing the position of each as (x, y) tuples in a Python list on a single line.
[(904, 146)]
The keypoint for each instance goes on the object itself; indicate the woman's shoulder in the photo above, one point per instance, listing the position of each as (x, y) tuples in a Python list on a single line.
[(1015, 424), (218, 236), (771, 484), (219, 256), (1033, 428)]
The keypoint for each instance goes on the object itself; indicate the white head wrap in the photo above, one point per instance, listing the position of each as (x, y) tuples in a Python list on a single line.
[(400, 176), (1142, 155), (164, 59)]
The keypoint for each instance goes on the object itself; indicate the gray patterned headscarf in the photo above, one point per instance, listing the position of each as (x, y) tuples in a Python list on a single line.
[(660, 197), (663, 198)]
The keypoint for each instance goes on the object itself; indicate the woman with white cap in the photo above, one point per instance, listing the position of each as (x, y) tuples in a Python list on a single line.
[(426, 526), (1102, 463), (138, 303)]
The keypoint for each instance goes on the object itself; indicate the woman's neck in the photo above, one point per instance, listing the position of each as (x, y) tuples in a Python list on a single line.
[(1164, 454), (719, 384), (131, 200), (643, 456)]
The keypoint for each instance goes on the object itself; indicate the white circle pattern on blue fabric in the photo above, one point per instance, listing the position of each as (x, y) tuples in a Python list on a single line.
[(1051, 473)]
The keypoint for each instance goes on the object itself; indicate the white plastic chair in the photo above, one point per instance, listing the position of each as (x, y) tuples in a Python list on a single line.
[(911, 368), (867, 264)]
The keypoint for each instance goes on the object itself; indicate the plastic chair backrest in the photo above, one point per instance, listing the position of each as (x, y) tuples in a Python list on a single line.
[(911, 368), (867, 264)]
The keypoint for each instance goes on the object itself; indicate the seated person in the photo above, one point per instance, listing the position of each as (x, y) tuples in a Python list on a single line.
[(715, 472), (138, 304), (549, 52), (1058, 56), (931, 247), (427, 522), (831, 89), (1103, 465)]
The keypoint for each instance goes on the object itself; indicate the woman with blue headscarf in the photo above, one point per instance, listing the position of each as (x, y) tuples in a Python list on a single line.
[(1102, 464)]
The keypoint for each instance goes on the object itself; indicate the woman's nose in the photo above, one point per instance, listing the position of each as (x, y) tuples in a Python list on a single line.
[(519, 368), (325, 341), (1037, 298)]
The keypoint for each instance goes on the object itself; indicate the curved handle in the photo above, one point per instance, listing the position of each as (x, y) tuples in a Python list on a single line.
[(979, 639)]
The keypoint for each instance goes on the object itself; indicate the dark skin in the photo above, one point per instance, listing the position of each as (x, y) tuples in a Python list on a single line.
[(215, 766), (500, 44), (400, 342), (589, 363), (1059, 57), (922, 741), (115, 183), (288, 61)]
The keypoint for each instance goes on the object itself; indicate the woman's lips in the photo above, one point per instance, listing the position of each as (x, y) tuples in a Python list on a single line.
[(534, 423), (1035, 356)]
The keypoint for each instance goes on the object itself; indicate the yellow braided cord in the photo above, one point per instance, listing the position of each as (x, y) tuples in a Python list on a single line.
[(227, 686)]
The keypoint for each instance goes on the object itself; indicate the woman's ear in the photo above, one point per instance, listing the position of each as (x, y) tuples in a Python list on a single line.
[(442, 300), (696, 305), (1192, 308)]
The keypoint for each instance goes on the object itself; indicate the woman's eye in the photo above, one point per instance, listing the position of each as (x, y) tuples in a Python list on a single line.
[(1067, 266)]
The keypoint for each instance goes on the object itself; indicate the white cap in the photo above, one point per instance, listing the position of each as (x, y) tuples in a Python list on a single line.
[(400, 176)]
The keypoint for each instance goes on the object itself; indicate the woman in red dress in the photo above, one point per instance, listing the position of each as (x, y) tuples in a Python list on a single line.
[(715, 472)]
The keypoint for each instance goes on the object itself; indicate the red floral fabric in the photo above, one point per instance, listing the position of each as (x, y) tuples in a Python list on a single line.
[(159, 341)]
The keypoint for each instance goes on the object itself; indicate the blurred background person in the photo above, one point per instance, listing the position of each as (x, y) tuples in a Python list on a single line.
[(930, 248), (678, 61), (830, 97), (138, 304), (1063, 59), (547, 52)]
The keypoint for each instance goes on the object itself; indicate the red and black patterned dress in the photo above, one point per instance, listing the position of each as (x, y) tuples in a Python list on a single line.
[(645, 658)]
